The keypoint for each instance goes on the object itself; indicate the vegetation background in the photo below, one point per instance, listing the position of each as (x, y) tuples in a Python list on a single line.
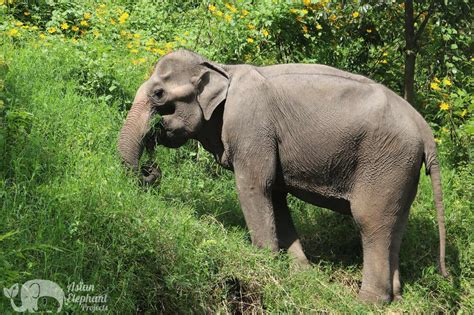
[(70, 213)]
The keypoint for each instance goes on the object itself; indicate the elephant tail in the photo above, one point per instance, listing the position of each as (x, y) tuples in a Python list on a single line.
[(432, 169)]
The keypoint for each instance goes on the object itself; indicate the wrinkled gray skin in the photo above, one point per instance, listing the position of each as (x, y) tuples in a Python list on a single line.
[(331, 138)]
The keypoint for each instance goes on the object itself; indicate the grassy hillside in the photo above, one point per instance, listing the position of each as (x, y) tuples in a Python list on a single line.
[(70, 213)]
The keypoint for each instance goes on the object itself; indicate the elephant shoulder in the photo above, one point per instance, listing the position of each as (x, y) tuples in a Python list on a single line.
[(248, 88)]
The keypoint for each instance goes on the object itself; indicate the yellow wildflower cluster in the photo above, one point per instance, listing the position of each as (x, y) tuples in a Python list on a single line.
[(228, 13), (435, 85)]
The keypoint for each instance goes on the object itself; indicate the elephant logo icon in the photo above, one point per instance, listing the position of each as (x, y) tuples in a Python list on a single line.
[(33, 290)]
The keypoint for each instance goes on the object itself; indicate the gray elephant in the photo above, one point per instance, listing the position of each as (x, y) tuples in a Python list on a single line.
[(333, 139), (32, 291)]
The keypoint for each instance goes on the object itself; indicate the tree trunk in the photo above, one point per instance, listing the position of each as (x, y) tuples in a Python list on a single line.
[(410, 53)]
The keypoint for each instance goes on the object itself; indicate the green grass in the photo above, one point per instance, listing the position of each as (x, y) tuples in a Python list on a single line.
[(69, 212)]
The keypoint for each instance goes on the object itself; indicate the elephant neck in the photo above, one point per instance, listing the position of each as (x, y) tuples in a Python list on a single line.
[(210, 135)]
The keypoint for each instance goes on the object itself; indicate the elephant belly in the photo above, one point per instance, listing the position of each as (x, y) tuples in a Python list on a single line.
[(340, 205)]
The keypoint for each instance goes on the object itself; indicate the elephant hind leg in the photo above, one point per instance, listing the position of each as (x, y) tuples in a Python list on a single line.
[(382, 223), (395, 254)]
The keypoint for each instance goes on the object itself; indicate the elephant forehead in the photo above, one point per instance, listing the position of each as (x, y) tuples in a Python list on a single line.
[(176, 66)]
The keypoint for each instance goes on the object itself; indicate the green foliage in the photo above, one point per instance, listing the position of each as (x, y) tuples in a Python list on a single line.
[(69, 212)]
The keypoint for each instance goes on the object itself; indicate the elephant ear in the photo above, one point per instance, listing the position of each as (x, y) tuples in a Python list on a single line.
[(34, 290), (212, 83)]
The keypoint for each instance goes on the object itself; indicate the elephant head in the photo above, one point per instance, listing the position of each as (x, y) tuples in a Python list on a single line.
[(184, 89)]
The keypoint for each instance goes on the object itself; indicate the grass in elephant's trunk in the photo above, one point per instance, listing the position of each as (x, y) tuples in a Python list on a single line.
[(150, 170)]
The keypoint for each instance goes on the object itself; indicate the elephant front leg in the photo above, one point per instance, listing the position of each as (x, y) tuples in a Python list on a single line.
[(254, 185)]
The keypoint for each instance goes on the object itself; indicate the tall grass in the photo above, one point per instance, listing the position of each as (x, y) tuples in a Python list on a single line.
[(70, 213)]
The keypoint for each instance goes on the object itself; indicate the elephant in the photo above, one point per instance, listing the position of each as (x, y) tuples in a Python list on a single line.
[(32, 291), (328, 137)]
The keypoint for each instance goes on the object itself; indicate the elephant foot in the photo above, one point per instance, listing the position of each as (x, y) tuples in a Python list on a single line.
[(298, 256), (300, 264), (371, 297), (397, 298)]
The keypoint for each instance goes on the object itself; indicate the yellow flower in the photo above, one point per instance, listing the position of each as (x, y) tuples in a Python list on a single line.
[(84, 23), (169, 45), (26, 13), (230, 7), (444, 106), (141, 60), (265, 32), (250, 26), (369, 30), (123, 18), (75, 28), (25, 27), (332, 18), (42, 36), (447, 82), (19, 23), (219, 13), (245, 12), (437, 140), (212, 8), (134, 51), (228, 18), (355, 14), (159, 51), (13, 32), (318, 26), (436, 80), (137, 36), (102, 6), (135, 61), (52, 30), (74, 41), (307, 2), (123, 33), (294, 10), (385, 54), (96, 33), (250, 40), (64, 26), (151, 41), (304, 11), (463, 113), (384, 61), (435, 86), (444, 129), (87, 15)]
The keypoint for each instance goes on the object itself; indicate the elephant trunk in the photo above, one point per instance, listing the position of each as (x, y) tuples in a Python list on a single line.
[(20, 309), (135, 136)]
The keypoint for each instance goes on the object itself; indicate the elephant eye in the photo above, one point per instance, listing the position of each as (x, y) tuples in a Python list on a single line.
[(158, 93)]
